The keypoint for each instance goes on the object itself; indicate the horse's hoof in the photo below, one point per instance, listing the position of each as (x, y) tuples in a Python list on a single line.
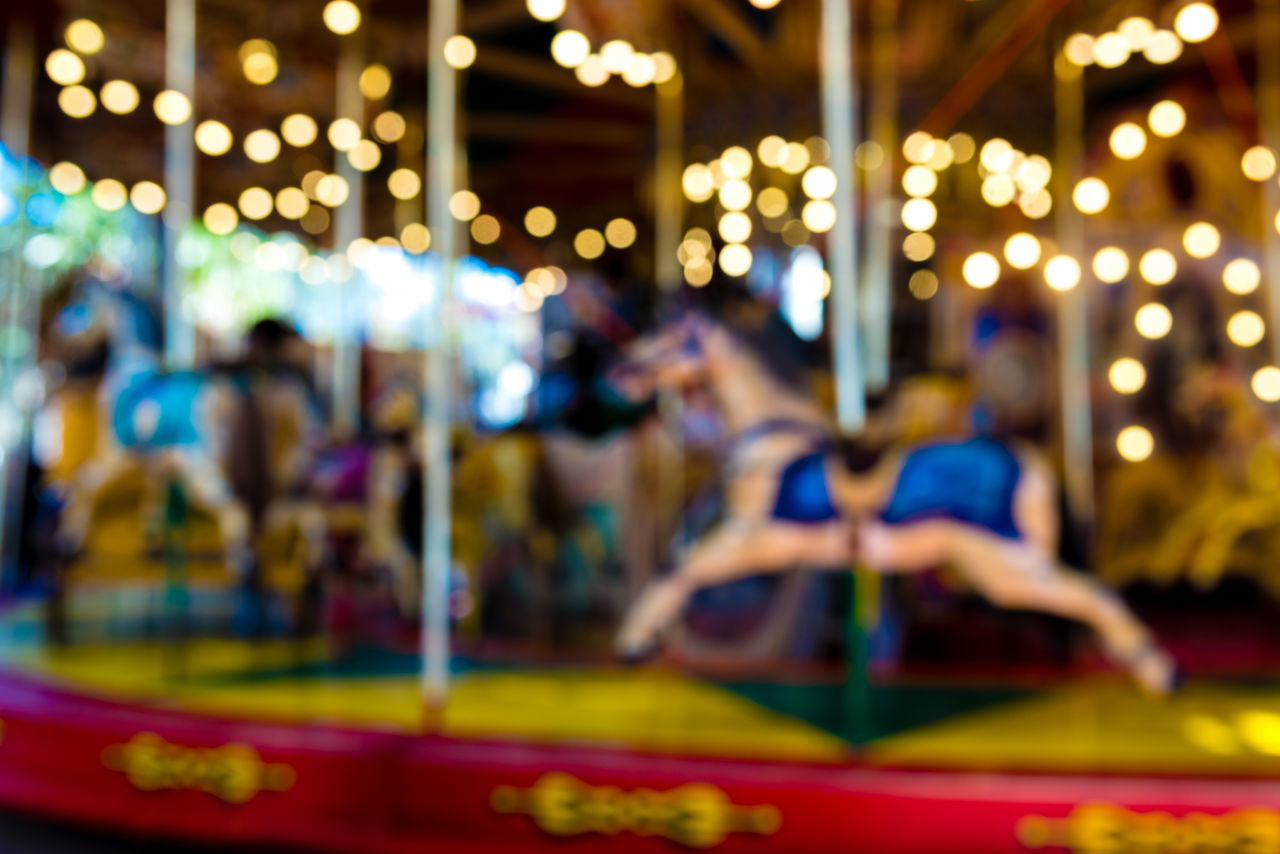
[(1157, 673), (249, 613), (633, 655)]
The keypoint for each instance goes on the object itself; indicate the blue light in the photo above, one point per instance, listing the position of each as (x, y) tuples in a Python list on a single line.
[(42, 209)]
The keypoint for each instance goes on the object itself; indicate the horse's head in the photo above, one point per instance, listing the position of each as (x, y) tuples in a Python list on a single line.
[(673, 356)]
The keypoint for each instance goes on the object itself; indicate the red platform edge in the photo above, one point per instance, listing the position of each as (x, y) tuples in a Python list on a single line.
[(332, 789)]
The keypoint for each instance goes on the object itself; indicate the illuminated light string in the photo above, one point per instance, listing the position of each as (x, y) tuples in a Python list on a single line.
[(571, 49)]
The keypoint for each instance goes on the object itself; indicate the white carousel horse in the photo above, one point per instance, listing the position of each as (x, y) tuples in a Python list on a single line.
[(986, 509)]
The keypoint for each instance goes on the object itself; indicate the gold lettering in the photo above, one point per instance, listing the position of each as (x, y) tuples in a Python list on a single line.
[(234, 773)]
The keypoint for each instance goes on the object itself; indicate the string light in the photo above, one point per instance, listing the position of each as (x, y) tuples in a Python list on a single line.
[(1127, 375), (299, 130), (918, 147), (735, 194), (389, 126), (546, 10), (1157, 266), (64, 67), (616, 55), (918, 246), (172, 107), (589, 243), (1245, 328), (923, 284), (1110, 264), (1266, 383), (1167, 118), (591, 72), (1153, 321), (259, 65), (570, 48), (998, 190), (698, 183), (147, 197), (1062, 272), (620, 233), (459, 51), (365, 155), (344, 134), (375, 81), (795, 159), (664, 67), (1258, 163), (734, 227), (84, 36), (1078, 49), (262, 146), (485, 229), (981, 270), (1201, 240), (415, 238), (1195, 22), (772, 202), (819, 182), (464, 205), (292, 203), (540, 221), (220, 218), (332, 190), (255, 203), (1241, 276), (1128, 141), (67, 178), (404, 184), (919, 214), (1163, 47), (962, 147), (1135, 443), (1022, 251), (819, 215), (1110, 50), (868, 155), (1037, 204), (641, 72), (77, 101), (735, 259), (341, 16), (119, 96), (213, 137), (1091, 195), (1136, 31)]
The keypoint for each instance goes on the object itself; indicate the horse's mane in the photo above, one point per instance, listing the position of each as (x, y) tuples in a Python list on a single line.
[(771, 343)]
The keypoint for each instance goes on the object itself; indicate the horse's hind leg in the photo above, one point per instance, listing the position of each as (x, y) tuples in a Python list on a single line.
[(731, 551), (209, 489)]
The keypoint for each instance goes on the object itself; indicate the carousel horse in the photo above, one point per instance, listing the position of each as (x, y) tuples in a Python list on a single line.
[(986, 509), (170, 423)]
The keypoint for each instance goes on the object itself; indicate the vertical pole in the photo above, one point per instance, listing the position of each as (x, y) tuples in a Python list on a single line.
[(1073, 319), (442, 104), (348, 225), (15, 133), (668, 200), (179, 177), (877, 276), (1268, 32), (840, 119), (840, 122)]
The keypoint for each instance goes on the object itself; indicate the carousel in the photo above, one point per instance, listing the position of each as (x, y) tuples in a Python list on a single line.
[(785, 425)]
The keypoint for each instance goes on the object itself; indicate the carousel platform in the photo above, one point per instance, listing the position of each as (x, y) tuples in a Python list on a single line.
[(281, 744)]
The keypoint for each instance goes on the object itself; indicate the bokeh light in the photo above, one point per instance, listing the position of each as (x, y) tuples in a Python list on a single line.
[(1135, 443), (1110, 264), (213, 137), (119, 96), (1062, 272), (1167, 118), (1245, 328), (341, 16), (1022, 251), (1201, 240), (1241, 276), (1153, 321), (1127, 375), (981, 270), (1157, 266)]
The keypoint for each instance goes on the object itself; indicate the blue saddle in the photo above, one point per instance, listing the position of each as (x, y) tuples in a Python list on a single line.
[(803, 492), (155, 410), (971, 481)]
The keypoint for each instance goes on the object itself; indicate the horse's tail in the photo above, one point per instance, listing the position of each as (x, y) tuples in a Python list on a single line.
[(248, 462)]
